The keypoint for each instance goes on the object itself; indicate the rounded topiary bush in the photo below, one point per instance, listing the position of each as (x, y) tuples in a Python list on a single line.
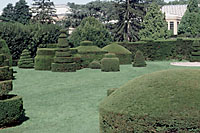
[(164, 101), (44, 58), (139, 60), (86, 43), (124, 55), (25, 60), (95, 65), (110, 63)]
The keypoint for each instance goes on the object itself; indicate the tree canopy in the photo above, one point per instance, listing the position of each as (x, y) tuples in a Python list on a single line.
[(154, 24), (93, 30)]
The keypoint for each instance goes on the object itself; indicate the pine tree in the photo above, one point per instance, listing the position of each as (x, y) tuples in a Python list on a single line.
[(130, 14), (190, 22), (8, 13), (154, 24), (43, 11), (22, 14)]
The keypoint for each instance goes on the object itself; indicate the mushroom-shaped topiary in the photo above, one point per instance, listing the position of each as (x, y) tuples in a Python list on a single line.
[(139, 60), (110, 63), (11, 106), (95, 65), (165, 101), (124, 55), (25, 60)]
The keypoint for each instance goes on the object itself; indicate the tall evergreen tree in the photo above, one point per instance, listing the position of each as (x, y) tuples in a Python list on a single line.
[(8, 13), (190, 22), (22, 13), (43, 11), (130, 14), (154, 25)]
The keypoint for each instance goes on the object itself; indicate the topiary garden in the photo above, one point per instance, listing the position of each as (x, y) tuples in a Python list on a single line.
[(25, 60)]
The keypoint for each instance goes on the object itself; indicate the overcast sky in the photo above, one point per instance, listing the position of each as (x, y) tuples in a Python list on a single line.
[(3, 3)]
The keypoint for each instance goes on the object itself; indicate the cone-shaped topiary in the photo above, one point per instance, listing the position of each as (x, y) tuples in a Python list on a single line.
[(11, 106), (89, 52), (195, 55), (165, 101), (124, 55), (110, 63), (139, 60), (5, 50), (95, 65), (63, 60), (25, 60), (44, 58)]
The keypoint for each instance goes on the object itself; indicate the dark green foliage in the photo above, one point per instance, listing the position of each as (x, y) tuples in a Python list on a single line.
[(190, 22), (92, 30), (165, 101), (124, 55), (22, 13), (11, 107), (44, 58), (6, 52), (5, 73), (86, 43), (89, 53), (25, 60), (162, 49), (95, 65), (63, 60), (110, 91), (19, 37), (195, 54), (139, 60), (8, 13), (130, 14), (154, 25), (5, 86), (44, 11), (110, 63)]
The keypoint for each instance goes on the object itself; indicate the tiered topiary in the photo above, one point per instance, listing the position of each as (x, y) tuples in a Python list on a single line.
[(124, 55), (95, 65), (89, 52), (11, 106), (77, 58), (166, 101), (44, 58), (195, 55), (110, 63), (139, 60), (25, 60), (63, 60)]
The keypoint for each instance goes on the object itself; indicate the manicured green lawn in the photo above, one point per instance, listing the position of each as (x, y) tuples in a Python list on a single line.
[(68, 102)]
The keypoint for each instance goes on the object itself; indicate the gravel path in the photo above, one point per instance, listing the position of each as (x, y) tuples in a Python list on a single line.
[(194, 64)]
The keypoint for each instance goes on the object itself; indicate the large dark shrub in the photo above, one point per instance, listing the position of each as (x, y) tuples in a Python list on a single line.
[(18, 36)]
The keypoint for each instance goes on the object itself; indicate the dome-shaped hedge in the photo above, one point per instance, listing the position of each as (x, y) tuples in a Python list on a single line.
[(165, 101), (124, 55)]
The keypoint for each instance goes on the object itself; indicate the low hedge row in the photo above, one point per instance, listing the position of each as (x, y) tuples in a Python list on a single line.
[(162, 49)]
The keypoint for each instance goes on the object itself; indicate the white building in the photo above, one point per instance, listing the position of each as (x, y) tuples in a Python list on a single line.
[(173, 15), (61, 11)]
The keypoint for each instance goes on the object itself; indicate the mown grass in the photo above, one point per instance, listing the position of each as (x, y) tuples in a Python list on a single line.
[(68, 102)]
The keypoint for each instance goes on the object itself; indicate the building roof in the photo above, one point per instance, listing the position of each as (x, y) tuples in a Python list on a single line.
[(174, 10)]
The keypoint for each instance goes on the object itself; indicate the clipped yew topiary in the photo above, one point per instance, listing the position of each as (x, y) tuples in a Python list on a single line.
[(110, 63), (25, 60), (95, 65), (44, 58), (124, 55), (195, 55), (5, 50), (11, 106), (63, 60), (89, 52), (165, 101), (139, 60)]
